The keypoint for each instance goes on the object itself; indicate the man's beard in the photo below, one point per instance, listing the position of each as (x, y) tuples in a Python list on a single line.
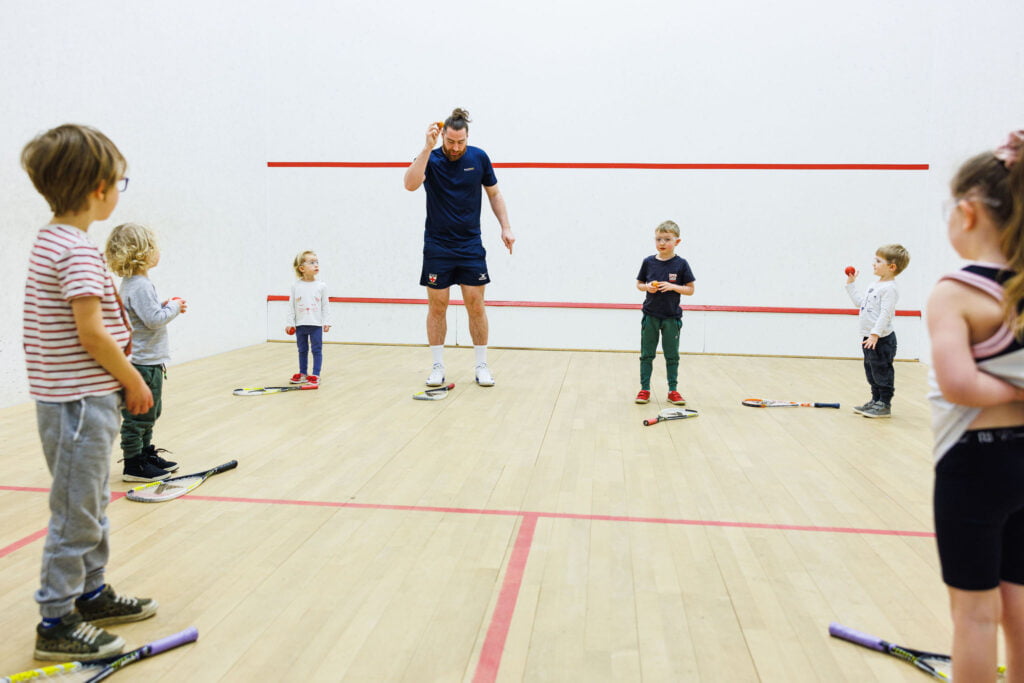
[(453, 156)]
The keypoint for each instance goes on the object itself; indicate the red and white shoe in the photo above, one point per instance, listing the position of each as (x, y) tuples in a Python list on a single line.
[(675, 399), (643, 396), (298, 378), (313, 379)]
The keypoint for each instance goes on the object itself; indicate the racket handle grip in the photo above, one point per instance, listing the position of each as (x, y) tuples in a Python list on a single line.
[(826, 405), (189, 635), (854, 636), (648, 423), (224, 468)]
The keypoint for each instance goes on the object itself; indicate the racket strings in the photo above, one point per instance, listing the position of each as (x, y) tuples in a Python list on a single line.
[(927, 661)]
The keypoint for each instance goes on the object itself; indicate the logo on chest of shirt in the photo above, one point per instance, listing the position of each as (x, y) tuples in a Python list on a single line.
[(672, 277)]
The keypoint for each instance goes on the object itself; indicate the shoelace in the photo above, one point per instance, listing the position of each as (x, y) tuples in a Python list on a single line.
[(86, 633), (123, 600)]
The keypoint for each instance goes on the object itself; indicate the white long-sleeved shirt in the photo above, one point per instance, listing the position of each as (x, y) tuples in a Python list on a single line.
[(877, 306), (309, 304)]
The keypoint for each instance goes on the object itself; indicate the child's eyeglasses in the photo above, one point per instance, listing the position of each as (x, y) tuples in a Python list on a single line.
[(949, 206), (122, 184), (311, 263)]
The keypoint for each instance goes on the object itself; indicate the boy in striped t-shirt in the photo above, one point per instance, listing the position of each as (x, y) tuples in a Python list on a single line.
[(75, 338)]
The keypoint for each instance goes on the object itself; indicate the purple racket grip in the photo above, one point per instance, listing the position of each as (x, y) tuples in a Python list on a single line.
[(855, 636), (189, 635)]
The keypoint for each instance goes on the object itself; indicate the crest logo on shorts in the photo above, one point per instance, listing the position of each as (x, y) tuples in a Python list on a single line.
[(483, 277), (432, 278), (672, 277)]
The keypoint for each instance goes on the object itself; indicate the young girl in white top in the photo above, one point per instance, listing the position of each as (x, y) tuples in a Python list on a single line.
[(975, 322), (308, 316)]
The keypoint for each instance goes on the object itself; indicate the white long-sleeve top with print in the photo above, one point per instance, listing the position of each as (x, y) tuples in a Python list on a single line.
[(877, 306), (309, 304)]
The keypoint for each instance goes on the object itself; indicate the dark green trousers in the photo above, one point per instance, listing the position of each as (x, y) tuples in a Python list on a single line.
[(137, 430), (668, 330)]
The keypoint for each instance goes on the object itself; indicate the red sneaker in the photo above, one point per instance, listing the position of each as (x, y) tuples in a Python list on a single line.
[(675, 399), (643, 396), (313, 379), (298, 378)]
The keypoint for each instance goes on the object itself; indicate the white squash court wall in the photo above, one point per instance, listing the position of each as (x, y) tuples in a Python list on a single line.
[(200, 96)]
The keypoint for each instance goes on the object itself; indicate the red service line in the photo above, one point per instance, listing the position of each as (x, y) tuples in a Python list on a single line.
[(619, 166), (579, 304)]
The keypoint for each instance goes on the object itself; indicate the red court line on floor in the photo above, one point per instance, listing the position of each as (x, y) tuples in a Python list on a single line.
[(619, 166), (578, 304), (21, 543), (497, 632), (570, 515), (532, 513)]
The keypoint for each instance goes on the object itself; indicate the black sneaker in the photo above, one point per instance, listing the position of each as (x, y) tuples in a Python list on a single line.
[(152, 453), (75, 639), (140, 468), (110, 608)]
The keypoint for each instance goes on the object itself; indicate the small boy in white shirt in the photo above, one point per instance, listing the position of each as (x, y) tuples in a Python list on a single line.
[(878, 339)]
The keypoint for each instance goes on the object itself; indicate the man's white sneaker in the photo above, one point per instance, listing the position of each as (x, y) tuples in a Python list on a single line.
[(436, 378), (483, 376)]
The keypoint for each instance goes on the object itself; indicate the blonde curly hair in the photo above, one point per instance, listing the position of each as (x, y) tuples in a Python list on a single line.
[(130, 249)]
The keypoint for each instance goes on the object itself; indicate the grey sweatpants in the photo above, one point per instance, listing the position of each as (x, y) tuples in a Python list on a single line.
[(77, 439)]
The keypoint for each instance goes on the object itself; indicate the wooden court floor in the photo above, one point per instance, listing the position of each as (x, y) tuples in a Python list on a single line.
[(533, 531)]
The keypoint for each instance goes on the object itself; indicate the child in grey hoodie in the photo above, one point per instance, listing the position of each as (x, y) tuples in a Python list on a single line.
[(131, 253)]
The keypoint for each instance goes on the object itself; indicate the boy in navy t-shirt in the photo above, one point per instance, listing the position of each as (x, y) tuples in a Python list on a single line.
[(664, 276)]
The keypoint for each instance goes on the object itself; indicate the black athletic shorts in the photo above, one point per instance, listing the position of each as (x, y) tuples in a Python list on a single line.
[(979, 509), (442, 273)]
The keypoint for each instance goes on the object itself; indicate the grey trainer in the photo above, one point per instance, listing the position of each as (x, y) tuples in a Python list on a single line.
[(878, 409), (861, 409)]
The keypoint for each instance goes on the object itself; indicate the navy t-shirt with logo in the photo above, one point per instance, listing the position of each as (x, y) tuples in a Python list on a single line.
[(675, 271), (454, 195)]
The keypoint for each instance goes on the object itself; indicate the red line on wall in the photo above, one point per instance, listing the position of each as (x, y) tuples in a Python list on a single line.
[(494, 643), (568, 304), (619, 165)]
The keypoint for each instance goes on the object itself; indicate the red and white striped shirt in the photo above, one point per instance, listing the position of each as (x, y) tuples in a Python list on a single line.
[(64, 265)]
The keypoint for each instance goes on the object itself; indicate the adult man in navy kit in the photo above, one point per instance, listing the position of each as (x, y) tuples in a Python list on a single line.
[(453, 253)]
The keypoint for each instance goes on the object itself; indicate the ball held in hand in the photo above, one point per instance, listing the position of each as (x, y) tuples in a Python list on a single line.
[(850, 270), (289, 330)]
